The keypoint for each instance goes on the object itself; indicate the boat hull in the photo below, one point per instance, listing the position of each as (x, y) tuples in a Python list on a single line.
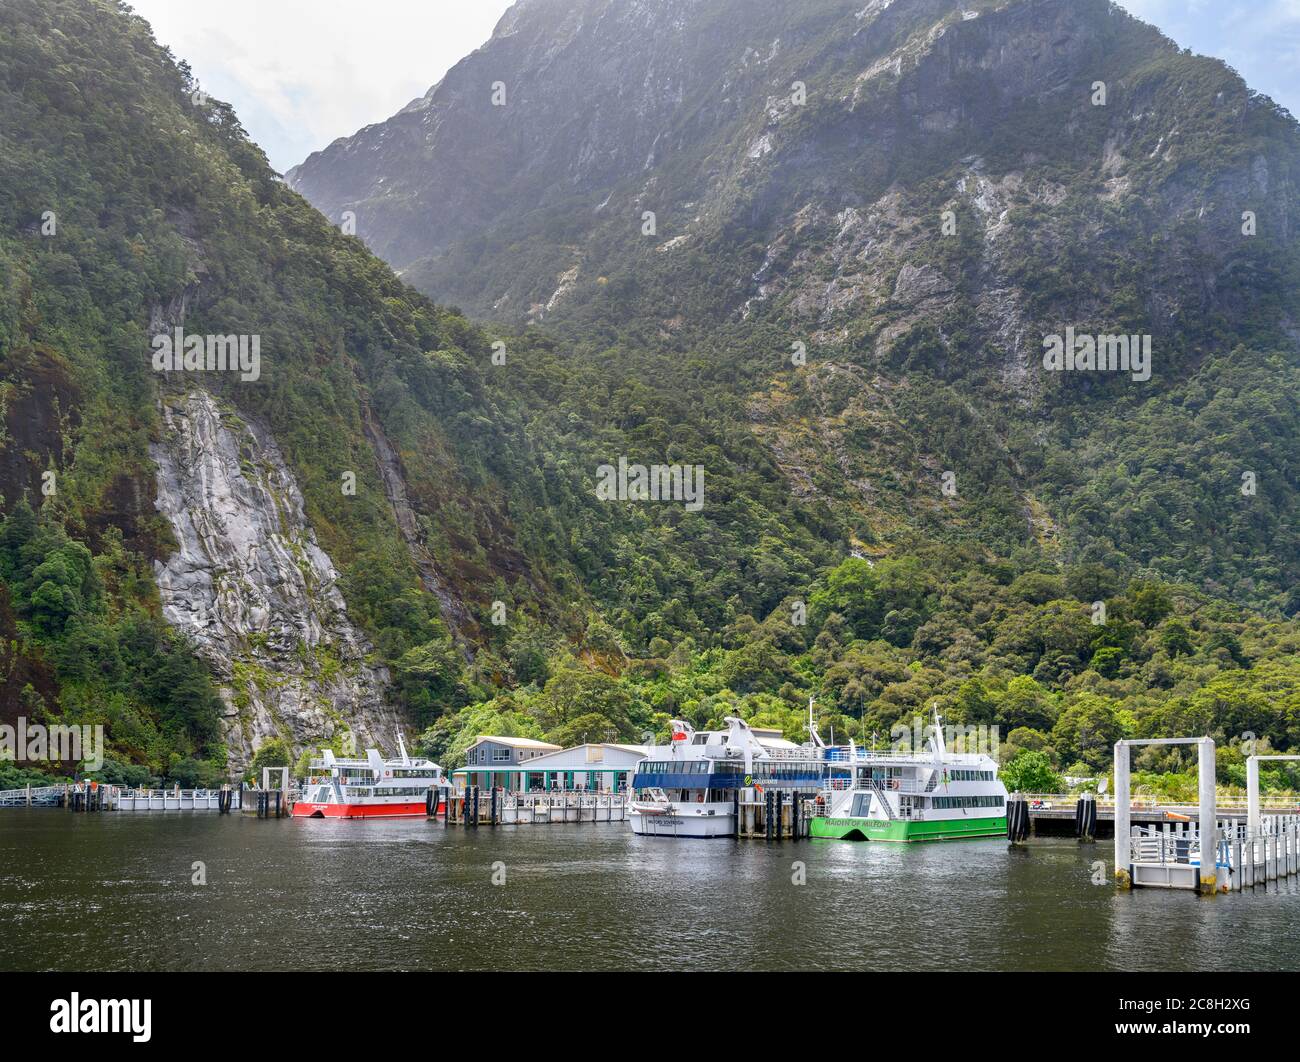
[(905, 831), (407, 810), (684, 825)]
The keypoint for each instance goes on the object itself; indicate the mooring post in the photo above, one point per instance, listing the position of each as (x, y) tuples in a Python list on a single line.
[(1123, 845), (1252, 794), (1209, 814), (1085, 818), (492, 814)]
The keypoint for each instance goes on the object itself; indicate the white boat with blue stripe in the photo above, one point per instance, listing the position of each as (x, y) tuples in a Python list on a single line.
[(691, 787)]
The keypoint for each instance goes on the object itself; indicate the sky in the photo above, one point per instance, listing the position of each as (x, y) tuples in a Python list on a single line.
[(301, 73)]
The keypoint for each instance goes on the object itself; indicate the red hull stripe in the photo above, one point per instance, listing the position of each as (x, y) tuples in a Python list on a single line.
[(305, 810)]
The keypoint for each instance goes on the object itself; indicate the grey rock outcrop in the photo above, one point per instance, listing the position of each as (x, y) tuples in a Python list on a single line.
[(253, 589)]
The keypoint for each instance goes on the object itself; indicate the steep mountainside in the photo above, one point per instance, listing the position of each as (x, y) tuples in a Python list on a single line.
[(918, 192), (251, 509)]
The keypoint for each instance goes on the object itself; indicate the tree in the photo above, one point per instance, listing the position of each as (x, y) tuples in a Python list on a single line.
[(1088, 729), (1025, 704), (1031, 772), (850, 591), (273, 752), (575, 690), (1106, 661), (428, 676), (590, 728), (1151, 602), (1176, 638)]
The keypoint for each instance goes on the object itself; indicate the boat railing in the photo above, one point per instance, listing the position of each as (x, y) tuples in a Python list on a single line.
[(881, 785), (840, 754)]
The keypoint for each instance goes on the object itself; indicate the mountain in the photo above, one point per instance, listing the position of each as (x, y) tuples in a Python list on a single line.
[(867, 218), (919, 192), (222, 557)]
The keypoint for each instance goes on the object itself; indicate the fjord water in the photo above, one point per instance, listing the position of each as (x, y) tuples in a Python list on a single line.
[(116, 892)]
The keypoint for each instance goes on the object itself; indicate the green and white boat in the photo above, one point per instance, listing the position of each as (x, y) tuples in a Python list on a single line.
[(935, 795)]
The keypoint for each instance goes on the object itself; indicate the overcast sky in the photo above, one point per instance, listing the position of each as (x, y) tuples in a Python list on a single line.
[(301, 73)]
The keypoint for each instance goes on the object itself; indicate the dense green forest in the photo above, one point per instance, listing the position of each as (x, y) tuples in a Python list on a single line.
[(1098, 573)]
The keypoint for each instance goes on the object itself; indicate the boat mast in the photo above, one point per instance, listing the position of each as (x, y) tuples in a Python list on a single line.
[(936, 739), (812, 727)]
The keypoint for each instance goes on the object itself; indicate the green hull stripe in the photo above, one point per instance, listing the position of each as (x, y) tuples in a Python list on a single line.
[(908, 829)]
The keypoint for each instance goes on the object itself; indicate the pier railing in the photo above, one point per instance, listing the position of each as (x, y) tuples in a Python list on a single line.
[(45, 796), (168, 800), (1170, 855), (497, 807), (1226, 800)]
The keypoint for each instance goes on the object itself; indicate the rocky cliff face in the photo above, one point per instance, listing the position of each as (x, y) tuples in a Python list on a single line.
[(248, 582), (828, 134)]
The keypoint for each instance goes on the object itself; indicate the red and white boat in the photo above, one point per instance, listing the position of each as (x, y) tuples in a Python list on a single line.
[(373, 788)]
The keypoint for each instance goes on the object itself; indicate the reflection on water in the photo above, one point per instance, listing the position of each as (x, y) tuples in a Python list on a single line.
[(115, 892)]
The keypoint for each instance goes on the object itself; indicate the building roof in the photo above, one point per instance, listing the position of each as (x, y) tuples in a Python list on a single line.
[(570, 759), (517, 742)]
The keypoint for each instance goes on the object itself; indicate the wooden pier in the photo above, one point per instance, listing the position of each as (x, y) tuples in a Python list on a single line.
[(495, 807)]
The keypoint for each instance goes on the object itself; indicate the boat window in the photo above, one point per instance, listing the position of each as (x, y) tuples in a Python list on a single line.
[(967, 802)]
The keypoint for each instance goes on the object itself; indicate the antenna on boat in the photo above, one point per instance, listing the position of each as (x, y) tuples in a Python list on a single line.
[(936, 740), (401, 747), (812, 727)]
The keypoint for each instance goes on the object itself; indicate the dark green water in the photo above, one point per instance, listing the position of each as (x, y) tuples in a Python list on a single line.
[(114, 892)]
